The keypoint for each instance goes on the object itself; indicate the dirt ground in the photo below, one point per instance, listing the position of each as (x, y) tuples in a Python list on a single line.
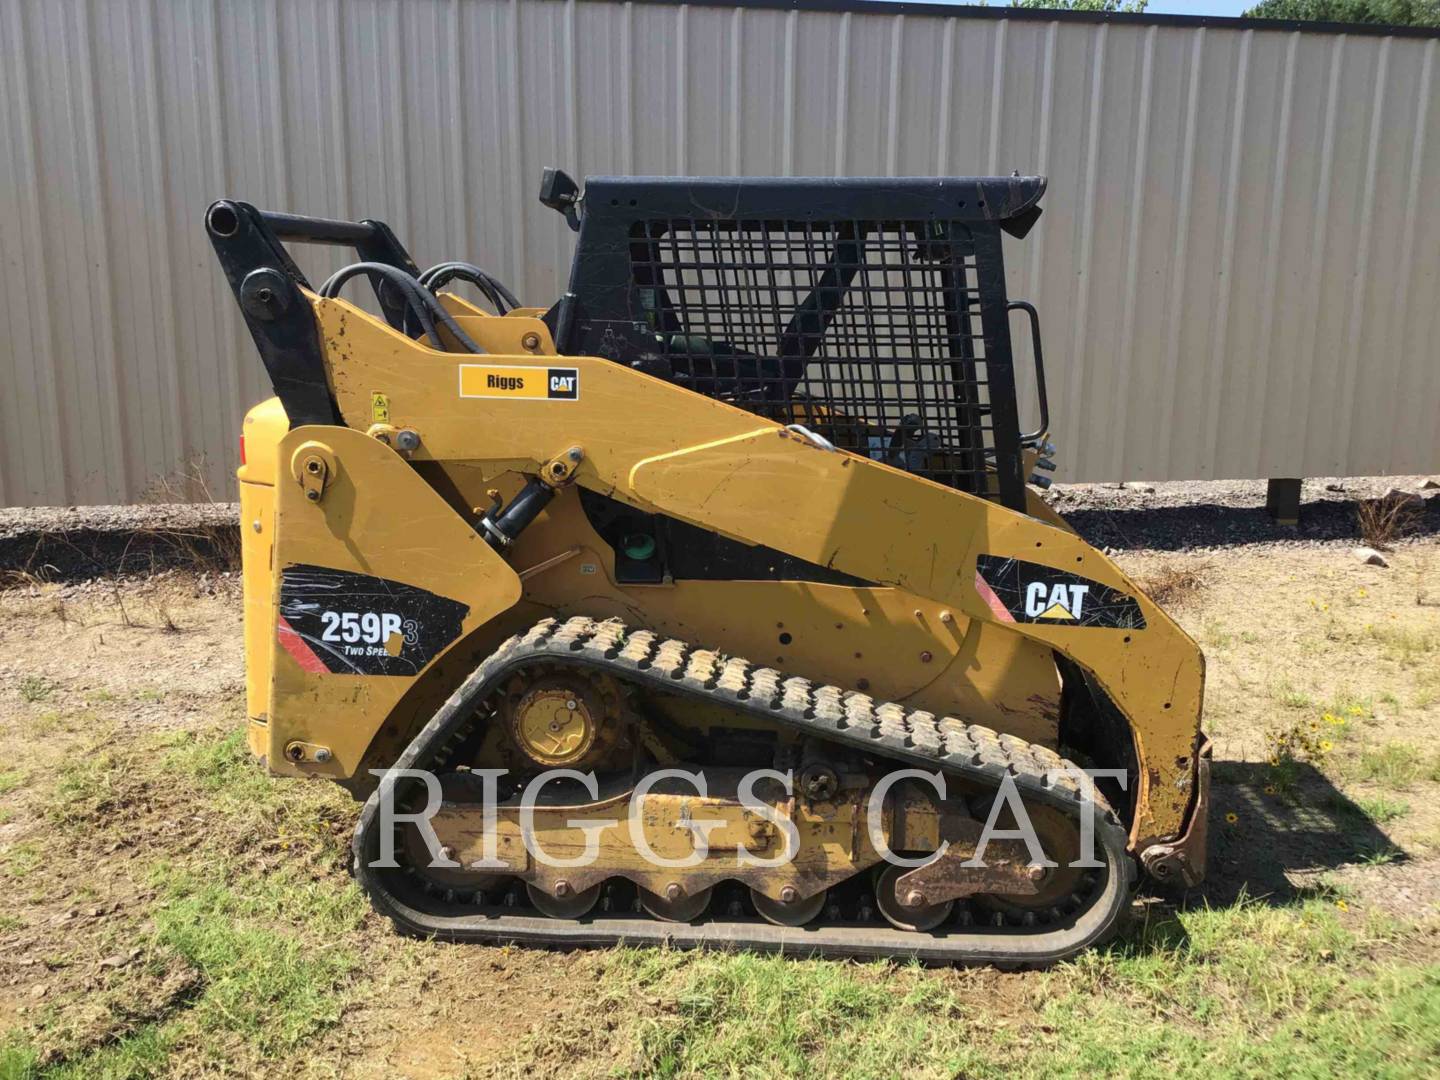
[(170, 911)]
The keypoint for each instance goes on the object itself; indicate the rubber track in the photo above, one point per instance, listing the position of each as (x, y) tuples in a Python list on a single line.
[(965, 751)]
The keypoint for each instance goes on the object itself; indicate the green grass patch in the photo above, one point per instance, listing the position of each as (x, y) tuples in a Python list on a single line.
[(1251, 989), (10, 779), (18, 1059), (752, 1015), (1409, 646), (136, 1056), (1396, 765), (1427, 686), (269, 952), (36, 688), (91, 788), (21, 860), (1382, 809), (221, 766), (1383, 1026), (1292, 698)]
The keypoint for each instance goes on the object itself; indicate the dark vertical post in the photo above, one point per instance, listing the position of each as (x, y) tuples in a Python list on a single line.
[(999, 370), (1282, 501)]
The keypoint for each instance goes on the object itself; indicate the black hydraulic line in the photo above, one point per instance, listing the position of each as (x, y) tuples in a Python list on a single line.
[(427, 309), (434, 283), (402, 281), (493, 288)]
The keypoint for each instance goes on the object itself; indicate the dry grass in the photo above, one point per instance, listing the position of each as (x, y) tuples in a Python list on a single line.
[(1175, 583), (205, 548), (48, 555), (1386, 520)]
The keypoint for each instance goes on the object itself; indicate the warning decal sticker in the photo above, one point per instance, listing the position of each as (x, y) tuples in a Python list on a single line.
[(519, 383), (352, 624), (1024, 592)]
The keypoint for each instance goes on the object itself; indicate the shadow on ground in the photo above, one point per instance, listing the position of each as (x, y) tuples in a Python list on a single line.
[(1173, 528), (1273, 837), (73, 555)]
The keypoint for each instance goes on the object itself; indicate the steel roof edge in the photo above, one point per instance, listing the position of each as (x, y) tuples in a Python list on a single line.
[(967, 11)]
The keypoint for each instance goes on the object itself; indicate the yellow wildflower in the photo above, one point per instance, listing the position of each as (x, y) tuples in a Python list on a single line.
[(1232, 817), (1269, 789), (1326, 746), (1342, 905), (1356, 710)]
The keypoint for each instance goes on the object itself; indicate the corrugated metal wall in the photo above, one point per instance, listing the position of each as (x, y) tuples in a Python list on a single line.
[(1238, 271)]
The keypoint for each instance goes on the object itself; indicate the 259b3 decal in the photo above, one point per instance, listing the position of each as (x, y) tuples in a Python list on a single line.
[(360, 633), (342, 622)]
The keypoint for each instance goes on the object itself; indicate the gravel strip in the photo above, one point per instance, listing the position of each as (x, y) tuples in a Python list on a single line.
[(1200, 515), (80, 543), (19, 521)]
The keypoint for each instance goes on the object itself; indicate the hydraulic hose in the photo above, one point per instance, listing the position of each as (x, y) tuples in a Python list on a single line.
[(495, 291), (426, 308)]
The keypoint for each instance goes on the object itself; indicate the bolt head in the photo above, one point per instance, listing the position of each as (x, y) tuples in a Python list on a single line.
[(913, 898), (313, 495), (926, 656), (1038, 874), (322, 755), (674, 891), (788, 895), (562, 888), (530, 341)]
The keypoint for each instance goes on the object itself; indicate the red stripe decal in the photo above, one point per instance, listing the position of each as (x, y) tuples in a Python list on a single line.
[(988, 595), (299, 649)]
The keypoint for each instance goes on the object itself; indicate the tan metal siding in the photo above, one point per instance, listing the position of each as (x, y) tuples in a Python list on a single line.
[(1237, 272)]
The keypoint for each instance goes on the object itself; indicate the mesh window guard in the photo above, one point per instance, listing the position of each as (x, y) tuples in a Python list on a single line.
[(868, 333), (871, 311)]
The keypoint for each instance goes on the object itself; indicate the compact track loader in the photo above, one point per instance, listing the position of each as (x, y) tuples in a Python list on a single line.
[(712, 604)]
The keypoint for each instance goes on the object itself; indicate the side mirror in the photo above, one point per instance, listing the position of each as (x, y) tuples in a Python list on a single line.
[(559, 192)]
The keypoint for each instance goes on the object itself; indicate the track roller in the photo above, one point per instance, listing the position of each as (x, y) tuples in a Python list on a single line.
[(795, 912), (907, 912), (572, 905), (676, 905)]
